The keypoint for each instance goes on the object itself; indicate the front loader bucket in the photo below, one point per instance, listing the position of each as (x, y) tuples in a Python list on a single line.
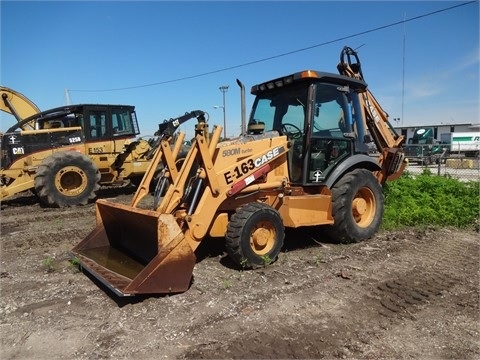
[(136, 251)]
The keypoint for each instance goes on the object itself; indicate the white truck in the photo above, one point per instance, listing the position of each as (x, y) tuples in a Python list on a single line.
[(467, 143)]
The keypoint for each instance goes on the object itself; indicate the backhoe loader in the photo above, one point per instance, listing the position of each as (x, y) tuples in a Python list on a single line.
[(65, 154), (302, 161)]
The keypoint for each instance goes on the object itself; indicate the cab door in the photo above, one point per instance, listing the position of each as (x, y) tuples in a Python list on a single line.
[(327, 144), (98, 130)]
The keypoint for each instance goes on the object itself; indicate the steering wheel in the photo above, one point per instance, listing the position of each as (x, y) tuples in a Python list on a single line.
[(292, 131)]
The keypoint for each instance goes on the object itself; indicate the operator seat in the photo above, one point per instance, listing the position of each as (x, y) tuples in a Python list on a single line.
[(255, 127)]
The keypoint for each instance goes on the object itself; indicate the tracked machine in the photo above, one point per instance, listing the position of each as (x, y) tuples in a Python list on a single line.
[(302, 161)]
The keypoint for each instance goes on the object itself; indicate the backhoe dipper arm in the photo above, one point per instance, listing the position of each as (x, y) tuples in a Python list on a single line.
[(388, 142), (347, 67), (168, 127), (376, 118)]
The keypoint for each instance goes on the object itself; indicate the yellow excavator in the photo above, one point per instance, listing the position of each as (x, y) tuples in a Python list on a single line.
[(303, 160), (67, 153)]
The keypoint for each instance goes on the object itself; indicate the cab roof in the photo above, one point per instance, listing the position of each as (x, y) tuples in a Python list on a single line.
[(311, 76)]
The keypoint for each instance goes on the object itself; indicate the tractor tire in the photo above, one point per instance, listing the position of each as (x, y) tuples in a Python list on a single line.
[(357, 207), (67, 178), (255, 235)]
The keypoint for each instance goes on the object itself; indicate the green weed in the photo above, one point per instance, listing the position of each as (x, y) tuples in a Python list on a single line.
[(227, 284), (75, 264), (430, 200), (318, 260), (244, 263), (49, 264), (266, 260)]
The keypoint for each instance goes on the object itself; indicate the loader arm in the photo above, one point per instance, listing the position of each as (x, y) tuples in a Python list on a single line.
[(164, 154), (18, 105), (388, 142), (177, 188)]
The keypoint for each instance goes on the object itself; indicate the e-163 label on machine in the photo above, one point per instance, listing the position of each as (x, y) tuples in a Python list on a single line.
[(251, 164)]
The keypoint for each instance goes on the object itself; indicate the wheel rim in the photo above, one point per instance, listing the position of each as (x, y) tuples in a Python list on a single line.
[(262, 238), (71, 181), (364, 207)]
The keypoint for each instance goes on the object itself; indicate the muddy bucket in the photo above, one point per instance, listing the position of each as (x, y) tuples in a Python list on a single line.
[(136, 251)]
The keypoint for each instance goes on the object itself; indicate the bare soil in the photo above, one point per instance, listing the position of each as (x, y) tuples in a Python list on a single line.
[(400, 295)]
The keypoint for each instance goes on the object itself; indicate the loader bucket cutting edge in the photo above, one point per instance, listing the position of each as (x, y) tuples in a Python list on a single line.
[(135, 251)]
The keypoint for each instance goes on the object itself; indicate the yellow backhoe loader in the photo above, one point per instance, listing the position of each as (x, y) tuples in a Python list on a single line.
[(65, 154), (302, 161)]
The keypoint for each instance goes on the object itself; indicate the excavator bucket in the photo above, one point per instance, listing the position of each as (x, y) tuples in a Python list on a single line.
[(136, 251)]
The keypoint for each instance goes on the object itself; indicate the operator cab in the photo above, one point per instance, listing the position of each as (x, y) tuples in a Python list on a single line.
[(67, 126), (316, 111), (110, 122)]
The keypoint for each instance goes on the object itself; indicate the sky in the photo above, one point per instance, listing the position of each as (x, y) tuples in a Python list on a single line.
[(419, 58)]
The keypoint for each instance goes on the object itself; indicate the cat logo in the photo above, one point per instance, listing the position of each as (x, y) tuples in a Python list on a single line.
[(18, 151)]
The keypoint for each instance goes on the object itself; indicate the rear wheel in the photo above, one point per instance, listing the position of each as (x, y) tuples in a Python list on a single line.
[(357, 207), (255, 235), (67, 178)]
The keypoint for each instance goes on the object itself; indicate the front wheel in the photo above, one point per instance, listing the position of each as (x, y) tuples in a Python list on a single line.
[(255, 235), (357, 207), (67, 178)]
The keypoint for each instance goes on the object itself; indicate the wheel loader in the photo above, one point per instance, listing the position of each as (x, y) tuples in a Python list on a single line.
[(65, 154), (301, 161)]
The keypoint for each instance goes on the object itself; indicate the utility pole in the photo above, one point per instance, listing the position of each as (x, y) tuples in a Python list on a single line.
[(67, 97), (224, 89)]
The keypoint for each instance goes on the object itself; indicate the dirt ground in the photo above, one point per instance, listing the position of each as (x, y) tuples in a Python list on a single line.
[(400, 295)]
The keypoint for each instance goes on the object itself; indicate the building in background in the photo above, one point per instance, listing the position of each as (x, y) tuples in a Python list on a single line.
[(441, 132)]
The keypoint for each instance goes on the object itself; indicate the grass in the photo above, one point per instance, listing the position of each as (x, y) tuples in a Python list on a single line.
[(227, 284), (49, 264), (266, 260), (74, 264), (430, 200)]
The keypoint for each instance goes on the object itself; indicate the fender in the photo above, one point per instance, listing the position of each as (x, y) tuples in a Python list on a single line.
[(359, 160)]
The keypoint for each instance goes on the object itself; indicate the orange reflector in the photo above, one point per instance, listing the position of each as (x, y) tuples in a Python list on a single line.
[(309, 73)]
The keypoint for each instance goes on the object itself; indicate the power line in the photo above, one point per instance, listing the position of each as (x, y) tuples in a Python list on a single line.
[(404, 21)]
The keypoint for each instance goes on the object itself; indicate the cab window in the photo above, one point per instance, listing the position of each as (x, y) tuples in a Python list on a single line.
[(330, 112), (283, 111), (121, 122), (98, 124)]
